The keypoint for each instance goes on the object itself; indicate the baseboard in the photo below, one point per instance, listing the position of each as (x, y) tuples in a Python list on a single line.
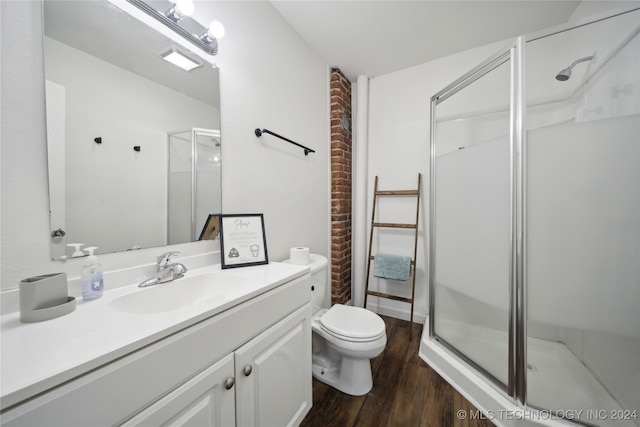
[(396, 313)]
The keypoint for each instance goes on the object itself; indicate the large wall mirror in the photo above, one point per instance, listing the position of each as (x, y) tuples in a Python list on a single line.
[(133, 141)]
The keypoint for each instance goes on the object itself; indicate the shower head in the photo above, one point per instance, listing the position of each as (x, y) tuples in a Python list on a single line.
[(564, 74)]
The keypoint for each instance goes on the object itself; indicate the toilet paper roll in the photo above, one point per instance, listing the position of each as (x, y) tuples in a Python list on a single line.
[(299, 256)]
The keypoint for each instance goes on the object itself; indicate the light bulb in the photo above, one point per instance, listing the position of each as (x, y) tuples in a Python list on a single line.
[(180, 9), (185, 7), (216, 30)]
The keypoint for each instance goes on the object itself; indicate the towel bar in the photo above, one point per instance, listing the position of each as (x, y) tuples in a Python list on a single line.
[(307, 150)]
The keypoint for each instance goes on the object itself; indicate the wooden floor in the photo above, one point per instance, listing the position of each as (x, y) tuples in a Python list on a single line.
[(406, 392)]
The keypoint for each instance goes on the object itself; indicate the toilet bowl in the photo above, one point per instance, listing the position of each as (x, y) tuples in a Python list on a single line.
[(344, 338)]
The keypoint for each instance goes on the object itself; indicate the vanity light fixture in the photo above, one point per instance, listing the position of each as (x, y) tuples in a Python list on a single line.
[(179, 59), (175, 13)]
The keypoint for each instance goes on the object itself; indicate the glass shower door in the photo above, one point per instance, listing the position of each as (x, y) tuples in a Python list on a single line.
[(471, 228)]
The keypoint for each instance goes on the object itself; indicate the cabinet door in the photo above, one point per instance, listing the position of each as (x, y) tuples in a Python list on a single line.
[(273, 374), (206, 400)]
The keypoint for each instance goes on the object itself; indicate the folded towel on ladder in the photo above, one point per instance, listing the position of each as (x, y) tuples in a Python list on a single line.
[(393, 267)]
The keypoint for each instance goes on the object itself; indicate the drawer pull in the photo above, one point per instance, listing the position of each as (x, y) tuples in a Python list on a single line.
[(247, 370), (229, 383)]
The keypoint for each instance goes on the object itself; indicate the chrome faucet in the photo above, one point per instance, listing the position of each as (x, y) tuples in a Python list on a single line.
[(166, 271)]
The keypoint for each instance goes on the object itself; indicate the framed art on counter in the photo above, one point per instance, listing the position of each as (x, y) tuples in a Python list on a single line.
[(242, 240)]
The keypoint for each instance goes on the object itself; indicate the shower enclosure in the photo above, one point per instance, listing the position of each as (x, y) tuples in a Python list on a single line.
[(535, 228), (194, 182)]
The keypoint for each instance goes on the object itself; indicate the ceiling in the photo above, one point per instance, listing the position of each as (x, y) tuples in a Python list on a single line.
[(375, 37)]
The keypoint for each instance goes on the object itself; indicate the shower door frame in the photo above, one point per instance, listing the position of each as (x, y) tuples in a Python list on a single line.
[(516, 384)]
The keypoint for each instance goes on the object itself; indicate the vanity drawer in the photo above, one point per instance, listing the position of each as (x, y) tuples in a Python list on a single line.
[(123, 387)]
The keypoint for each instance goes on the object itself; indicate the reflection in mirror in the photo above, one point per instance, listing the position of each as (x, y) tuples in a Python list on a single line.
[(133, 141), (194, 149)]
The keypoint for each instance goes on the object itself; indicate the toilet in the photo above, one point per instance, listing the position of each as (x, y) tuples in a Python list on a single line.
[(344, 338)]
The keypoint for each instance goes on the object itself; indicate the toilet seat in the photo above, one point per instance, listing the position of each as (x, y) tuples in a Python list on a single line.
[(352, 323), (350, 339)]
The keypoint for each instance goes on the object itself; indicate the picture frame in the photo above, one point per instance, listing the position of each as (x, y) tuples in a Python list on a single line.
[(211, 228), (242, 240)]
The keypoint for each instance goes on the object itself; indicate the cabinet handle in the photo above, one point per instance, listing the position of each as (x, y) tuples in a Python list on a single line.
[(229, 383), (247, 370)]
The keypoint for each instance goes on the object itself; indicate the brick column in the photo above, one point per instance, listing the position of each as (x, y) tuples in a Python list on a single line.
[(341, 143)]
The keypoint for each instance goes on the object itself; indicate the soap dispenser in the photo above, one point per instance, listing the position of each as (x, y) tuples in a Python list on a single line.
[(91, 276)]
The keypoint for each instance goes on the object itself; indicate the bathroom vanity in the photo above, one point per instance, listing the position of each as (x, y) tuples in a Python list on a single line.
[(231, 349)]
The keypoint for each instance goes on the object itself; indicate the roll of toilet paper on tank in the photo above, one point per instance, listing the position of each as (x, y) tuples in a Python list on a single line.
[(299, 256)]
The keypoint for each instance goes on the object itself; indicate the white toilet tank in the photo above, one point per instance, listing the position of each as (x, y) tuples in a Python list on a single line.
[(318, 266)]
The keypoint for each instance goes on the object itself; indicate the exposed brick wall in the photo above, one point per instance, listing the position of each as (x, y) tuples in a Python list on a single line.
[(341, 143)]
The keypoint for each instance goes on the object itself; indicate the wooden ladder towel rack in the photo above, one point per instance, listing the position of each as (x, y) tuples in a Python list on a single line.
[(414, 226)]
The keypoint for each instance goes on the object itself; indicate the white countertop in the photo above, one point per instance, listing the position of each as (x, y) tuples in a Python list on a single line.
[(38, 356)]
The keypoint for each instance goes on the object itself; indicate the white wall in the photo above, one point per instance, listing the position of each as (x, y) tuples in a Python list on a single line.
[(269, 78)]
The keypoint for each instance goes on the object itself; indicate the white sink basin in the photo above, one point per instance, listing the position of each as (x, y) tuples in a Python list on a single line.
[(178, 293)]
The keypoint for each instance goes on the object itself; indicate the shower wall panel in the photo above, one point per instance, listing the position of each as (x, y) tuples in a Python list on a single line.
[(583, 228)]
